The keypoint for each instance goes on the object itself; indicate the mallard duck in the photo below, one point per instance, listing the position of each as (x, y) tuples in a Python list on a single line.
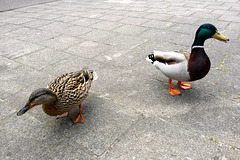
[(62, 94), (184, 66)]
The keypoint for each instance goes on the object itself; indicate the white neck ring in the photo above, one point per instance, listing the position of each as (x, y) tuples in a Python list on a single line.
[(197, 47)]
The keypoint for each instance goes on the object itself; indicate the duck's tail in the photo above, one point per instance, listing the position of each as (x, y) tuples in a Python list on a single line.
[(89, 74)]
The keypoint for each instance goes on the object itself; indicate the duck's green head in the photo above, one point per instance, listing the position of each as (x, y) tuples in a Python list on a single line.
[(206, 31)]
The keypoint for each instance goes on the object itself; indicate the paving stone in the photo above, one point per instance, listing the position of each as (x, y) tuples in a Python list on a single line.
[(224, 12), (130, 29), (8, 27), (85, 22), (147, 140), (7, 64), (37, 23), (74, 13), (88, 49), (160, 17), (134, 21), (98, 35), (158, 24), (233, 26), (185, 28), (13, 50), (230, 18), (31, 35), (206, 15), (184, 19), (119, 12), (76, 30), (61, 42), (91, 15), (174, 10), (106, 25), (136, 14), (66, 18), (42, 58), (55, 26), (13, 80), (123, 41), (112, 18), (46, 16)]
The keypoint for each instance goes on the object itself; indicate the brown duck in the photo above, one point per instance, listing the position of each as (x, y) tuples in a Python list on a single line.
[(62, 94)]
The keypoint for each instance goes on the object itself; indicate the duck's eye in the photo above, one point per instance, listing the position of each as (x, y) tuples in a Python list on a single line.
[(151, 56)]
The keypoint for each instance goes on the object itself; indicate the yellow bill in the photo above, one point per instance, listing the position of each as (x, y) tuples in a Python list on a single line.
[(220, 37)]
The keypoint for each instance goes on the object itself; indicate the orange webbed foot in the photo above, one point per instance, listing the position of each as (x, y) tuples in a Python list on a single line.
[(79, 115), (184, 85), (62, 115), (173, 91)]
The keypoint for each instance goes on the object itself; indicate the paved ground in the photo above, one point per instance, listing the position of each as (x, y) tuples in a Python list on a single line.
[(129, 113), (13, 4)]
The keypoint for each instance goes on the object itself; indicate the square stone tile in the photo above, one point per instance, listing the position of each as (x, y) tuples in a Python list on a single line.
[(13, 50), (141, 142), (46, 16), (76, 30), (184, 19), (31, 35), (66, 19), (230, 18), (37, 23), (91, 15), (74, 13), (117, 12), (130, 29), (161, 17), (8, 27), (55, 26), (136, 14), (20, 20), (98, 35), (124, 42), (15, 79), (106, 25), (7, 64), (112, 18), (88, 49), (206, 15), (61, 42), (42, 58), (185, 28), (224, 12), (158, 24), (134, 20), (6, 110), (85, 22)]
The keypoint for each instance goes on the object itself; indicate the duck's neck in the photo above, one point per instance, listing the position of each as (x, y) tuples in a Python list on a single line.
[(50, 104), (198, 44), (199, 40)]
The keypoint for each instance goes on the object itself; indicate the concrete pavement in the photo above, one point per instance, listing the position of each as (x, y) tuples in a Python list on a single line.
[(129, 113)]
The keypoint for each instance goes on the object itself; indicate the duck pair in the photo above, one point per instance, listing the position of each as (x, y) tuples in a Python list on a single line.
[(68, 91)]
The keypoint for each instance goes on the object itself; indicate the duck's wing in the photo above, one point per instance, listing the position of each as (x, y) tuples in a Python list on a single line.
[(72, 84), (168, 57)]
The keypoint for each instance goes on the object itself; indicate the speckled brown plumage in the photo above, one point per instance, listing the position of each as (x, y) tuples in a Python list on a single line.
[(62, 94), (71, 89)]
